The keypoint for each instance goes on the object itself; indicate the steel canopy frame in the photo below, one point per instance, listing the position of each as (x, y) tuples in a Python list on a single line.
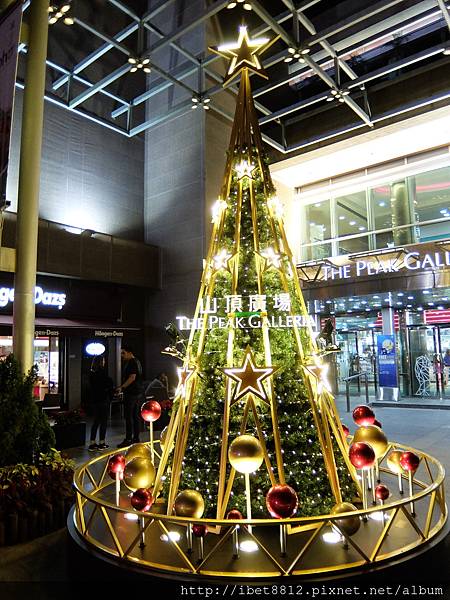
[(203, 67)]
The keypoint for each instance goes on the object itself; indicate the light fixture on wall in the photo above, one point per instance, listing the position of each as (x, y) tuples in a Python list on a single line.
[(297, 54), (200, 100), (139, 64), (59, 11)]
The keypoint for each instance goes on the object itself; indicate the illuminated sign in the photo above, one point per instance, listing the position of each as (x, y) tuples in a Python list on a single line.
[(41, 296), (95, 348), (245, 312), (108, 334), (412, 261)]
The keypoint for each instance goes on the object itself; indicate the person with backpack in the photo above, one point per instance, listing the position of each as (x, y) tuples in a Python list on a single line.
[(133, 395)]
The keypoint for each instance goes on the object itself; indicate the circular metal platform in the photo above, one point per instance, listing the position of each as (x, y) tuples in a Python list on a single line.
[(316, 546)]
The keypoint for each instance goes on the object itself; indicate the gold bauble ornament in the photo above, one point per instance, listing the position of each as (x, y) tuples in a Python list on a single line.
[(163, 439), (189, 503), (245, 454), (350, 525), (393, 462), (373, 435), (138, 451), (139, 473)]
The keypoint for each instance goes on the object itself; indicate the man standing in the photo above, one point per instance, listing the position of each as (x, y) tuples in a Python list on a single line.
[(132, 389)]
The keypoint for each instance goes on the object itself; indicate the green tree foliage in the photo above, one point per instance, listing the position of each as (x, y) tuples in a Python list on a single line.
[(24, 431), (302, 456)]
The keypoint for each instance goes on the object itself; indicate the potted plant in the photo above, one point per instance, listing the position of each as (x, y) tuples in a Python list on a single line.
[(69, 429)]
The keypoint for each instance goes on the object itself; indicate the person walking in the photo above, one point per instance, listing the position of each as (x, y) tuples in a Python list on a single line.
[(446, 366), (133, 395), (101, 396)]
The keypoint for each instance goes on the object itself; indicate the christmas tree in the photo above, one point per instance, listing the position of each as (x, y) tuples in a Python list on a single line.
[(252, 365)]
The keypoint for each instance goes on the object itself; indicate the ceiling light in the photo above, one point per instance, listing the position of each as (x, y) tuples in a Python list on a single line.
[(231, 4), (133, 70), (330, 99), (68, 21), (51, 9), (132, 60), (52, 20), (305, 51), (301, 60), (334, 92), (297, 55), (381, 203), (65, 8), (58, 15), (247, 6), (361, 228), (288, 59), (131, 517), (341, 99), (341, 218), (145, 61), (446, 51), (352, 222)]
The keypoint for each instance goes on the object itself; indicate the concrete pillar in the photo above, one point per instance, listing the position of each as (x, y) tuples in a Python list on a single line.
[(29, 179), (401, 213)]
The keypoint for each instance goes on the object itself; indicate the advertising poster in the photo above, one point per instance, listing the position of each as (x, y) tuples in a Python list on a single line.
[(387, 364), (10, 22)]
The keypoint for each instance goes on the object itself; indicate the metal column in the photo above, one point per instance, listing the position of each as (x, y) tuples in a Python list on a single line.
[(29, 176)]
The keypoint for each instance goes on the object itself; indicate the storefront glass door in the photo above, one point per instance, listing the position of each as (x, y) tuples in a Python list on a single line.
[(425, 371), (357, 356)]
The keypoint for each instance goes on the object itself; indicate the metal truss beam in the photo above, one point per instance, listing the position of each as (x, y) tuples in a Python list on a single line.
[(309, 61), (81, 113), (445, 12), (112, 42), (363, 15), (100, 85), (94, 56)]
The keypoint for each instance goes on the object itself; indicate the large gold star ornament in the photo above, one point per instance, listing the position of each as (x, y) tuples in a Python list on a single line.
[(244, 54), (249, 378)]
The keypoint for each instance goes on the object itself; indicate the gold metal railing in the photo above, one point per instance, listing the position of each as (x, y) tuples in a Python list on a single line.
[(160, 542)]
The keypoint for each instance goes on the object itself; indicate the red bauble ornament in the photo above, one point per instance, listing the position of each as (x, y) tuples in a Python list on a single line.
[(235, 514), (199, 530), (151, 411), (281, 501), (363, 415), (346, 430), (116, 464), (361, 455), (382, 492), (378, 424), (142, 499), (409, 461)]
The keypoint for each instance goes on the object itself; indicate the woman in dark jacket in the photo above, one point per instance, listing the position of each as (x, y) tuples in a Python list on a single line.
[(101, 393)]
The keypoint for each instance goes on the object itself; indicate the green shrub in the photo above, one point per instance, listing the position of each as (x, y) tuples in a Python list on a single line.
[(24, 430)]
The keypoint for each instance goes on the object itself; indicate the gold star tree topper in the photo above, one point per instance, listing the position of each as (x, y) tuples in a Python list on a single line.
[(243, 54), (249, 378)]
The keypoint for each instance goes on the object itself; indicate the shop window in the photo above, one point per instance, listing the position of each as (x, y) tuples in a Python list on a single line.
[(316, 228), (432, 201), (380, 202), (351, 219)]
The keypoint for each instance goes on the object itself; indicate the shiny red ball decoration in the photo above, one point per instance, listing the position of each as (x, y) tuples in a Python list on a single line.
[(363, 415), (361, 455), (234, 513), (382, 492), (116, 464), (346, 430), (378, 424), (409, 461), (199, 530), (151, 411), (281, 501), (142, 499)]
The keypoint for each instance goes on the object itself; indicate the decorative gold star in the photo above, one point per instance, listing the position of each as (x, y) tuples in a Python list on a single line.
[(184, 374), (224, 260), (244, 54), (249, 378), (245, 169)]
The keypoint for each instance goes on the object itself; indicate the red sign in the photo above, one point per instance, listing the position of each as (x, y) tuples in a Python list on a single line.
[(379, 321), (432, 317), (10, 22)]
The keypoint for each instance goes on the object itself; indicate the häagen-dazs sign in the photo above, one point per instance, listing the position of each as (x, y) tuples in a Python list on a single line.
[(41, 296), (365, 267)]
